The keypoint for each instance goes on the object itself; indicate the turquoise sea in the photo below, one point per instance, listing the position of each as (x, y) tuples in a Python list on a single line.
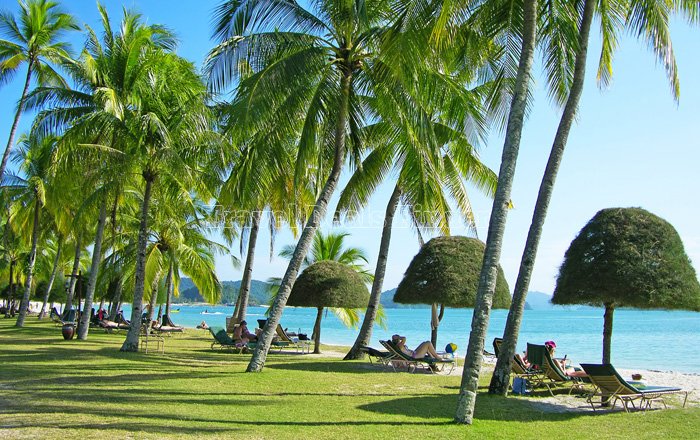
[(651, 339)]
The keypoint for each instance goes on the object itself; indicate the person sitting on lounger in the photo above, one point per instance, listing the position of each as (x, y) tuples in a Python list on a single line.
[(241, 333), (569, 371), (424, 349)]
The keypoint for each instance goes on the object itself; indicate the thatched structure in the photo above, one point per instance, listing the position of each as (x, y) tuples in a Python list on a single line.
[(328, 284), (627, 257), (446, 271)]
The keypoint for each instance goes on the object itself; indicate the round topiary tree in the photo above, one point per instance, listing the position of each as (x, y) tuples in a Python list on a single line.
[(328, 283), (446, 271), (627, 257)]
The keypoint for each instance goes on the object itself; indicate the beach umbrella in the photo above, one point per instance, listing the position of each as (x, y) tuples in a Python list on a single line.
[(446, 271), (627, 257), (328, 283)]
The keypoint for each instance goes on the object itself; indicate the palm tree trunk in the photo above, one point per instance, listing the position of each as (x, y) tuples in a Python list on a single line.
[(374, 299), (316, 336), (607, 331), (15, 123), (24, 305), (501, 375), (168, 289), (116, 301), (94, 269), (131, 343), (257, 362), (435, 322), (244, 292), (74, 272), (487, 281), (52, 278), (10, 288)]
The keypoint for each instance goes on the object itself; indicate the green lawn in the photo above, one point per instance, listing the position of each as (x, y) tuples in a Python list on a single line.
[(51, 388)]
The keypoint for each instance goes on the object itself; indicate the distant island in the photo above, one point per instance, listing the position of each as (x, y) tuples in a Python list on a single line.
[(259, 295)]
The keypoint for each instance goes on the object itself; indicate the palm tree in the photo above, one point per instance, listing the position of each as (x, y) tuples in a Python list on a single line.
[(331, 247), (94, 117), (497, 221), (34, 40), (647, 19), (261, 179), (30, 193), (424, 144), (166, 146), (305, 72)]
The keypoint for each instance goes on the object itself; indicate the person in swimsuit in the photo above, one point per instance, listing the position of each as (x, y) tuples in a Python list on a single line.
[(424, 349)]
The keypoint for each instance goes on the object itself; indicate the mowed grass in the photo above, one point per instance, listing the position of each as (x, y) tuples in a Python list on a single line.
[(51, 388)]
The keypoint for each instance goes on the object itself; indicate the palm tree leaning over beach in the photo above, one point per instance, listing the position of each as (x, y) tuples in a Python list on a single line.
[(308, 68), (34, 39), (649, 20)]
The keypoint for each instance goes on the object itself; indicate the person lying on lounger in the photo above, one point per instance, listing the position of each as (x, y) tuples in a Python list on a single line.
[(424, 349), (241, 333)]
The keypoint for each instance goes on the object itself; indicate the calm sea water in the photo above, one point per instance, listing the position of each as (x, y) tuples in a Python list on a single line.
[(660, 340)]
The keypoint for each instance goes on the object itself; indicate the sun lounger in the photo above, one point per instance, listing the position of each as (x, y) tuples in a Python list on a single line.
[(518, 367), (434, 365), (223, 341), (553, 375), (374, 355), (611, 387), (283, 339)]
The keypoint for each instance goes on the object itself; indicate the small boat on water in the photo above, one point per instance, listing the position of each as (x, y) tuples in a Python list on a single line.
[(175, 311)]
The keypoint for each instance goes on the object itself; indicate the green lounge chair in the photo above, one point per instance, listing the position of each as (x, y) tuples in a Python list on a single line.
[(518, 367), (610, 386), (434, 365), (380, 357), (223, 341), (555, 376)]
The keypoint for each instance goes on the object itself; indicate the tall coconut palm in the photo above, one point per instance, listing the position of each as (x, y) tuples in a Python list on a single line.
[(94, 116), (497, 220), (424, 144), (649, 20), (30, 191), (308, 79), (166, 146), (261, 179), (34, 38)]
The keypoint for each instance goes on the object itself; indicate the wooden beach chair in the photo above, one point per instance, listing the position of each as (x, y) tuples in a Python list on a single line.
[(611, 387)]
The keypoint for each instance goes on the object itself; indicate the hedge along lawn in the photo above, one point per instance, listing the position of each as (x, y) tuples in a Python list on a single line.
[(51, 388)]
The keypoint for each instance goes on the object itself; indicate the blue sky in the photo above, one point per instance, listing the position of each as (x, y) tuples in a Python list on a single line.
[(631, 146)]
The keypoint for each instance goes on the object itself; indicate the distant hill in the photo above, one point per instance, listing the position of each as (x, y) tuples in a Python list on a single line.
[(538, 301), (387, 300), (258, 292)]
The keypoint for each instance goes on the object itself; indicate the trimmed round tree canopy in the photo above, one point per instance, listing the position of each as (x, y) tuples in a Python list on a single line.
[(628, 257), (329, 284), (446, 271)]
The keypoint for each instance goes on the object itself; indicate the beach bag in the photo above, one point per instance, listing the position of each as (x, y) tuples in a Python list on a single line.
[(303, 337), (520, 386)]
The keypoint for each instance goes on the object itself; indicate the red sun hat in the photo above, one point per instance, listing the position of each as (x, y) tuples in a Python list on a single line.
[(550, 344)]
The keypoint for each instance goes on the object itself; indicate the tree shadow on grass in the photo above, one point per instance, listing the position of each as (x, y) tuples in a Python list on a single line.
[(325, 366), (487, 408)]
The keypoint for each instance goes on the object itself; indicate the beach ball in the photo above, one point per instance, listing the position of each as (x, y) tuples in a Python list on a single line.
[(450, 348)]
